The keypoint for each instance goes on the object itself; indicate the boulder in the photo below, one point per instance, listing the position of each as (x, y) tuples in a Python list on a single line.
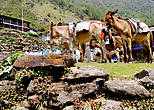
[(127, 87), (85, 72), (79, 82), (145, 76), (44, 60), (64, 93)]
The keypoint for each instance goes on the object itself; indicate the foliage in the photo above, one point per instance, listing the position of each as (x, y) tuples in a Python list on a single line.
[(5, 30), (41, 12), (20, 76), (13, 97), (42, 71), (6, 67), (140, 104)]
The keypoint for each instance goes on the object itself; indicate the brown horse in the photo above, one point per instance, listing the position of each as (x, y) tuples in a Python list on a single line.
[(80, 37), (124, 29), (117, 48)]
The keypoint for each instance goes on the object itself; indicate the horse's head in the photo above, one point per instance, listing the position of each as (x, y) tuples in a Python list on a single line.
[(109, 21), (55, 33)]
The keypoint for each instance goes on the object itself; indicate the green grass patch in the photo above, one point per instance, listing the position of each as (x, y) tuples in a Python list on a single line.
[(121, 69)]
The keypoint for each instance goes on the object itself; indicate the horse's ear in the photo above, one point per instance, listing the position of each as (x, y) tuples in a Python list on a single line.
[(51, 24), (114, 12), (60, 24)]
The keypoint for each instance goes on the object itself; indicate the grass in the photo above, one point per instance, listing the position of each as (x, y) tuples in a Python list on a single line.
[(121, 69)]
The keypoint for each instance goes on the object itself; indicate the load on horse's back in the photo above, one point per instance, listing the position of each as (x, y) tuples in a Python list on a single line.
[(124, 27), (80, 32)]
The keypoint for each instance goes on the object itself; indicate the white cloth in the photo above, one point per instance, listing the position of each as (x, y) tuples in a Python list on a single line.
[(71, 26), (77, 55), (82, 26), (142, 26)]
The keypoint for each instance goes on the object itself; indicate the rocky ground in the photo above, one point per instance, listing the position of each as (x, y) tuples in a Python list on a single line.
[(54, 83), (12, 41), (76, 88)]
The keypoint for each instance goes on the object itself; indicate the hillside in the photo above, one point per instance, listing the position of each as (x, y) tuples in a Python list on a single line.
[(41, 12), (38, 12), (141, 9)]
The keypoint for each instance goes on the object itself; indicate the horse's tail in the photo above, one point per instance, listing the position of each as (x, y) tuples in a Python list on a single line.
[(151, 41)]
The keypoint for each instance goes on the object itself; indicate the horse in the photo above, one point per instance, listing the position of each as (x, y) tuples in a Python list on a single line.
[(84, 36), (117, 48), (124, 29)]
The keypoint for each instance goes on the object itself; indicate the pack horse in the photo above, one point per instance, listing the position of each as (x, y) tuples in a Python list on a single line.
[(80, 32), (130, 30)]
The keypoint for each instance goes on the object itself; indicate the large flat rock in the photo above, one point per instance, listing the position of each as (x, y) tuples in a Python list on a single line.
[(44, 60), (63, 92), (86, 72), (127, 87)]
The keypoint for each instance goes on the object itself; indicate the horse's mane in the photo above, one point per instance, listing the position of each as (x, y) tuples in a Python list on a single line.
[(119, 17)]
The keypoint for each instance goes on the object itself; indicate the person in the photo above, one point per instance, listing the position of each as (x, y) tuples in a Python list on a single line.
[(96, 51)]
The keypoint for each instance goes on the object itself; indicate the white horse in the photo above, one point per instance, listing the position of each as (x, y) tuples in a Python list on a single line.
[(84, 36)]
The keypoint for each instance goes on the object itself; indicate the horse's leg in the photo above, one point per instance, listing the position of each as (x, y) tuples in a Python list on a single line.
[(102, 46), (82, 51), (121, 53), (148, 50), (151, 41), (117, 56), (105, 52), (108, 58), (145, 51), (125, 51), (130, 49)]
